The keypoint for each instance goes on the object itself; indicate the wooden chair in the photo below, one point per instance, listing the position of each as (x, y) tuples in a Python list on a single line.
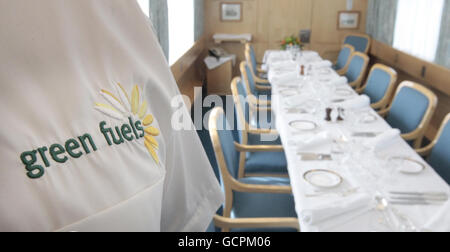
[(380, 86), (253, 202), (261, 164), (411, 111), (360, 42), (438, 151), (257, 94), (355, 70), (343, 58), (250, 57)]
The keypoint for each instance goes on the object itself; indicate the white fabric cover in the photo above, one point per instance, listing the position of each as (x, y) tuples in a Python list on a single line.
[(57, 57)]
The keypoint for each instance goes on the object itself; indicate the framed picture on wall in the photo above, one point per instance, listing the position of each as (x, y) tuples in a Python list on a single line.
[(348, 20), (231, 12)]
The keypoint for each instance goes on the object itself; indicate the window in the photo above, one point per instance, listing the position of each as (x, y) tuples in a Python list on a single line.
[(418, 26), (145, 6), (181, 28)]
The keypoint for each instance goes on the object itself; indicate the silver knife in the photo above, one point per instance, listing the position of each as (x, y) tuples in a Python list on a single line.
[(365, 134), (437, 199), (412, 203), (315, 157), (442, 194)]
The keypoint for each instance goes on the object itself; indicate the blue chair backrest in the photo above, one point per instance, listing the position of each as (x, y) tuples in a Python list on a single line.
[(408, 109), (377, 85), (440, 155), (355, 68), (342, 60), (245, 106), (359, 43), (227, 143), (251, 80), (253, 59)]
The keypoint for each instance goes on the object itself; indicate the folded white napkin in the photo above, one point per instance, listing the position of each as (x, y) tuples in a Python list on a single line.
[(309, 143), (441, 221), (384, 140), (283, 78), (356, 103), (283, 65), (329, 211), (322, 64), (339, 81)]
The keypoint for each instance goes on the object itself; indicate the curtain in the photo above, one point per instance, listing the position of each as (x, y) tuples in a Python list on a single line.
[(418, 26), (443, 52), (381, 16), (159, 14), (199, 18)]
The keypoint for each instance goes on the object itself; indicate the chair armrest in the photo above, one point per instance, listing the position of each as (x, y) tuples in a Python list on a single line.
[(425, 151), (259, 69), (383, 113), (341, 71), (259, 102), (412, 135), (263, 131), (262, 81), (264, 109), (250, 188), (258, 148), (360, 90), (230, 223), (263, 88)]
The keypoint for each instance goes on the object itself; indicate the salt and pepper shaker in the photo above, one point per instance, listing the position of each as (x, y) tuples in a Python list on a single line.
[(328, 116), (340, 114), (302, 70)]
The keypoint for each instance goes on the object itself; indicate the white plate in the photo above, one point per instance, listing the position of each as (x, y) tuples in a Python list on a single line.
[(407, 165), (323, 178), (303, 125)]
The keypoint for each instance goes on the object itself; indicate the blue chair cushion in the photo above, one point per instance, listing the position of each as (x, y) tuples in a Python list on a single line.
[(227, 143), (252, 84), (260, 205), (359, 43), (408, 110), (355, 68), (440, 155), (266, 163), (342, 59), (377, 85), (253, 59)]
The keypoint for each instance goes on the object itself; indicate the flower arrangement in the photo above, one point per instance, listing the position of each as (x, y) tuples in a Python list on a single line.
[(291, 41)]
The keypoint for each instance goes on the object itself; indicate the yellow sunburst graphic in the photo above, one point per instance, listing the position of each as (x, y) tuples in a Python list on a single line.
[(131, 105)]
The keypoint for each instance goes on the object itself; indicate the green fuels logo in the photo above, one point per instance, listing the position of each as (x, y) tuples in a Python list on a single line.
[(123, 108)]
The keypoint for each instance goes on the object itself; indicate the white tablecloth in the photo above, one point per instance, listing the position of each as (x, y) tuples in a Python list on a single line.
[(365, 171)]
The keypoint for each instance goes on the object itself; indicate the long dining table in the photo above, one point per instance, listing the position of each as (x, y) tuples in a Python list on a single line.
[(349, 170)]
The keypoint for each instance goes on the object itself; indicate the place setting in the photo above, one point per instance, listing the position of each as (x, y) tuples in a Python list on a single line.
[(297, 104)]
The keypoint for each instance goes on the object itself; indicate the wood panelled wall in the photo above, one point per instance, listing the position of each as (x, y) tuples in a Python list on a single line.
[(269, 21)]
